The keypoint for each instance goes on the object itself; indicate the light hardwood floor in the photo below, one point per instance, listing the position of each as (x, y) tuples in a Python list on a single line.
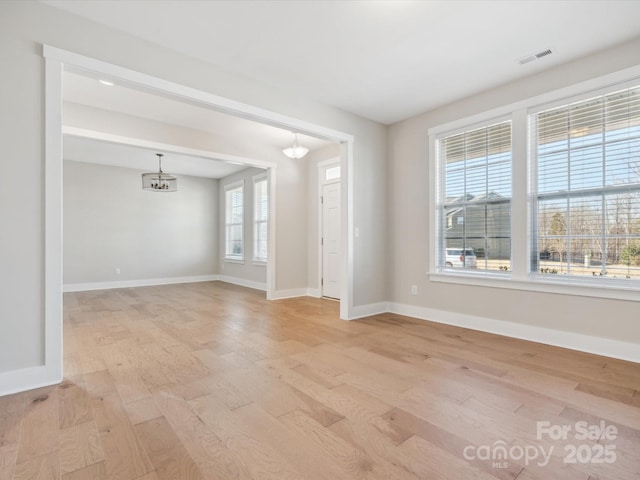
[(211, 381)]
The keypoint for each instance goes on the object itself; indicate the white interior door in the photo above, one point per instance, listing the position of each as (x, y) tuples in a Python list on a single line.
[(331, 240)]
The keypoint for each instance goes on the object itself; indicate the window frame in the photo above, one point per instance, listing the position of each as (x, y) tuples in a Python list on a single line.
[(440, 240), (233, 258), (523, 170), (256, 180), (535, 195)]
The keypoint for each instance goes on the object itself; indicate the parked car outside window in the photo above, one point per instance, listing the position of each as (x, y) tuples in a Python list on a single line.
[(461, 258)]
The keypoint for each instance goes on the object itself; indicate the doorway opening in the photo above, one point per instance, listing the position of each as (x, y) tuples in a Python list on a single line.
[(329, 175), (58, 61)]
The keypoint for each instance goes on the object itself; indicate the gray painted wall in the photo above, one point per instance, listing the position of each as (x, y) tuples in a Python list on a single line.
[(110, 222)]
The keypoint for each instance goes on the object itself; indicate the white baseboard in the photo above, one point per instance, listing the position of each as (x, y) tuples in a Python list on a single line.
[(291, 293), (361, 311), (242, 282), (15, 381), (573, 341), (146, 282)]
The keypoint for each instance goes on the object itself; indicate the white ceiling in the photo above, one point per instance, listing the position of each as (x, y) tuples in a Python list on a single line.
[(383, 59), (89, 91), (89, 150)]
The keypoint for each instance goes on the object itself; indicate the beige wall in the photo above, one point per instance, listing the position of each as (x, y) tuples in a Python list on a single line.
[(24, 27), (110, 222), (409, 234)]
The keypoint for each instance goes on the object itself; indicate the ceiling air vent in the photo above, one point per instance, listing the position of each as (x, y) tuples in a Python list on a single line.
[(535, 56)]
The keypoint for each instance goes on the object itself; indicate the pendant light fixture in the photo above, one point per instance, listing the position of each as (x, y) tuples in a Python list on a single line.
[(296, 150), (159, 181)]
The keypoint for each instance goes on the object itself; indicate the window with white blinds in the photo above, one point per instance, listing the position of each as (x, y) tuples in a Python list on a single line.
[(234, 219), (586, 213), (260, 218), (475, 199)]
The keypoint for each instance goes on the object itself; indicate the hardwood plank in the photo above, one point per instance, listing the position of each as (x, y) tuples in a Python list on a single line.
[(215, 460), (80, 446), (263, 462), (8, 456), (44, 467), (11, 414), (97, 471), (317, 376), (429, 461), (302, 452), (125, 457), (167, 454), (73, 404), (39, 427), (354, 462), (142, 410)]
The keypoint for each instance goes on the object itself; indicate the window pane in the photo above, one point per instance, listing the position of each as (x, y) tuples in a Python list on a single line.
[(476, 201), (261, 212), (588, 208), (234, 218), (234, 240), (332, 173)]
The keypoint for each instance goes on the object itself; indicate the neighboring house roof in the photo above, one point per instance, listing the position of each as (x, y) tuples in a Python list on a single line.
[(469, 198)]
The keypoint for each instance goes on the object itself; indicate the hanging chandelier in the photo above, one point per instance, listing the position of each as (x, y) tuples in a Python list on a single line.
[(159, 181), (296, 151)]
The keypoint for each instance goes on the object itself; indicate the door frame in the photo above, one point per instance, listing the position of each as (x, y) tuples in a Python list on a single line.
[(56, 62), (322, 166)]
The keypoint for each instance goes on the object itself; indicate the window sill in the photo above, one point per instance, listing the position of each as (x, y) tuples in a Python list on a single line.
[(538, 283), (259, 263), (234, 260)]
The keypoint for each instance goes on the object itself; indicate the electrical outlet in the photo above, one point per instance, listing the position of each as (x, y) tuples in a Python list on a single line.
[(414, 289), (117, 270)]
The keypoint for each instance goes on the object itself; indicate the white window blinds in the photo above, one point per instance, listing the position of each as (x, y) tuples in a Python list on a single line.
[(234, 219), (587, 208), (475, 199), (261, 216)]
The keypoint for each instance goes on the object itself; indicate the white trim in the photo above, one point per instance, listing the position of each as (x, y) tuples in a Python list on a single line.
[(145, 282), (166, 147), (542, 284), (573, 341), (259, 177), (291, 293), (271, 234), (51, 372), (346, 229), (362, 311), (243, 282), (235, 185), (15, 381), (237, 259)]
